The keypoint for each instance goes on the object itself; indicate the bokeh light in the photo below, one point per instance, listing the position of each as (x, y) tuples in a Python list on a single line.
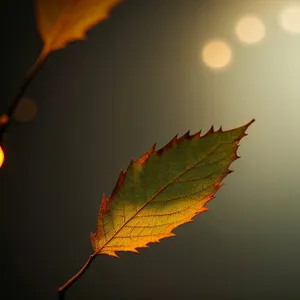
[(216, 54), (250, 30), (1, 157), (290, 19), (25, 111)]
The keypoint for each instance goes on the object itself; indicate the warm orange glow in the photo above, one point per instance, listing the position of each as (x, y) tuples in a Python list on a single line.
[(1, 157), (216, 54), (290, 19), (250, 30), (3, 119)]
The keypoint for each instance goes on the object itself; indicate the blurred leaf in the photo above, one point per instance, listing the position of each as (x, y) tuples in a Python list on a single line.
[(164, 189), (63, 21)]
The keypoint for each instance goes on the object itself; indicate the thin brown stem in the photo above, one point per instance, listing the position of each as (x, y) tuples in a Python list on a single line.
[(26, 81), (62, 289), (5, 120)]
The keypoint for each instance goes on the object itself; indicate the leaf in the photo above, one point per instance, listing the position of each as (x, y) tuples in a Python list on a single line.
[(164, 189), (63, 21)]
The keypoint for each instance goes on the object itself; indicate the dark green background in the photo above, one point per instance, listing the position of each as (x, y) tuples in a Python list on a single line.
[(137, 80)]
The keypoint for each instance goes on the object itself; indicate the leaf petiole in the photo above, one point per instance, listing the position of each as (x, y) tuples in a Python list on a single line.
[(62, 289)]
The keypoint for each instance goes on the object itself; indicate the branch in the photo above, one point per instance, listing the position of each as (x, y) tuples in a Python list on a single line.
[(5, 121), (26, 81), (63, 288)]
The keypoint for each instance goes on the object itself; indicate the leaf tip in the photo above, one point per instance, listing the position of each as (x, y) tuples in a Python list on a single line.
[(246, 126), (252, 121)]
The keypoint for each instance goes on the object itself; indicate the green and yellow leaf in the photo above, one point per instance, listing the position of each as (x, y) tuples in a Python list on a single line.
[(164, 189)]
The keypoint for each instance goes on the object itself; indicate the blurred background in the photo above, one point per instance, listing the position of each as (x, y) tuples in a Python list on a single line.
[(153, 69)]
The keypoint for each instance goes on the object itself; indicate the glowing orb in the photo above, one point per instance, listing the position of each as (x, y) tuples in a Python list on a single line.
[(290, 19), (250, 30), (216, 54), (1, 157), (25, 111)]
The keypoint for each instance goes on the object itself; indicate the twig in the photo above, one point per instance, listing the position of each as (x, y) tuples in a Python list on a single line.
[(63, 288), (26, 81), (5, 120)]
